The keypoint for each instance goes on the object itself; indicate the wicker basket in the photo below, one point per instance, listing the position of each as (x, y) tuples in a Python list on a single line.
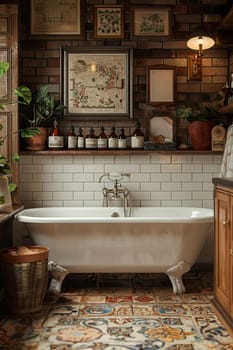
[(24, 278)]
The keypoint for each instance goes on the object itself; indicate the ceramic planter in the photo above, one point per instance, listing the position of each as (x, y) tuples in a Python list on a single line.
[(37, 142), (200, 134)]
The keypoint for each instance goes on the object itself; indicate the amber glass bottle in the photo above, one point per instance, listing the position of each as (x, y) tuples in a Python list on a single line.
[(80, 139), (71, 139), (112, 139), (137, 138), (122, 141), (91, 140), (102, 139), (56, 137)]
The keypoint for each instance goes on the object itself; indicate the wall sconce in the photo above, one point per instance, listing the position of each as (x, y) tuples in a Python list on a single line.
[(199, 42)]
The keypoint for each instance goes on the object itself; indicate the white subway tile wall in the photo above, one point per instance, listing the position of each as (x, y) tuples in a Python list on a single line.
[(156, 179)]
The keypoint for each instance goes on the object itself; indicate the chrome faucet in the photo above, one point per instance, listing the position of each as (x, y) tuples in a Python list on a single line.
[(117, 189)]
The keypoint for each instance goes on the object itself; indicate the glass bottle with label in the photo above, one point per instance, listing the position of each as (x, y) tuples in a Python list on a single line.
[(80, 139), (122, 141), (56, 137), (71, 139), (102, 139), (137, 138), (112, 139), (91, 140)]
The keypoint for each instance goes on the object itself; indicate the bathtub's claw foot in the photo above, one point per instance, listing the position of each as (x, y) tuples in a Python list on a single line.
[(57, 274), (175, 274)]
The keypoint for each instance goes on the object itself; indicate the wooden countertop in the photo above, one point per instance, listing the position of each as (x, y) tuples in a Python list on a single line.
[(8, 216), (223, 181)]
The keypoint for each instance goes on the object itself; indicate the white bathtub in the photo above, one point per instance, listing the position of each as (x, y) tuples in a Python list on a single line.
[(94, 240)]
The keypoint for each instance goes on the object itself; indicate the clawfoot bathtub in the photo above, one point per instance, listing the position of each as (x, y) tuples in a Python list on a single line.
[(100, 240)]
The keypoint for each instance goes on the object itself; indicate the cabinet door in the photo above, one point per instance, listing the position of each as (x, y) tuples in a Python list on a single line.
[(9, 53), (222, 248), (231, 262)]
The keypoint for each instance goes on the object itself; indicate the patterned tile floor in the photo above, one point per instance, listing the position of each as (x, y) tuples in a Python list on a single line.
[(127, 312)]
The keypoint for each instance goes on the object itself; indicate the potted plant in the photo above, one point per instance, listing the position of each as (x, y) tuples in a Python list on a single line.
[(37, 110), (201, 120)]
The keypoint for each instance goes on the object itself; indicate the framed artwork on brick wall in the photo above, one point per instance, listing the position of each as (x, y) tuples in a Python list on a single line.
[(97, 82), (160, 84), (56, 17), (109, 21), (148, 22)]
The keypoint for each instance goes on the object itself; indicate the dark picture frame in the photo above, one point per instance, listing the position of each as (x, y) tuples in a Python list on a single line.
[(148, 22), (109, 21), (97, 83)]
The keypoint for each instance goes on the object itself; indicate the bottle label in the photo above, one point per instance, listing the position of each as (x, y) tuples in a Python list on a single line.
[(137, 141), (80, 142), (91, 143), (72, 142), (102, 143), (112, 142), (56, 141), (122, 143)]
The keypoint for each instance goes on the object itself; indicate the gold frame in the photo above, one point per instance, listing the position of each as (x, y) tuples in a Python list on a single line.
[(151, 22), (63, 19), (110, 28)]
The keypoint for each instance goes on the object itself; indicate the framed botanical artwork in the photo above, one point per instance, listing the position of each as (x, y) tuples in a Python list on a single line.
[(160, 84), (56, 17), (109, 21), (97, 82), (151, 22)]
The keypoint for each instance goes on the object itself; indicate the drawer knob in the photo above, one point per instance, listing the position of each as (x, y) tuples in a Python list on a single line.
[(224, 222)]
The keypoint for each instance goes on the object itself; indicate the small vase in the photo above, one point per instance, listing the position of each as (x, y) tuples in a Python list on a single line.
[(37, 142), (5, 196)]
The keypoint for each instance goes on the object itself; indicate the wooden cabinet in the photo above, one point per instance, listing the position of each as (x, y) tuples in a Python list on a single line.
[(223, 262), (9, 116)]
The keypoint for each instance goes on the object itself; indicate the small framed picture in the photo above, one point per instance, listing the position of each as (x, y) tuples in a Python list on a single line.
[(109, 21), (160, 84), (56, 17), (151, 22)]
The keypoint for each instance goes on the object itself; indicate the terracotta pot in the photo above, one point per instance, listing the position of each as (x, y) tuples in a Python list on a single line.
[(200, 134), (37, 142)]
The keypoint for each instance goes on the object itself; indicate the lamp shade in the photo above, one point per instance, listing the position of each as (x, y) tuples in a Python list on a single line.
[(203, 42)]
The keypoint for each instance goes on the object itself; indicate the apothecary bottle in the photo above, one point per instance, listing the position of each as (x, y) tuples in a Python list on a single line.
[(80, 139), (122, 141), (56, 137), (102, 139), (137, 138), (71, 139), (112, 139), (91, 140)]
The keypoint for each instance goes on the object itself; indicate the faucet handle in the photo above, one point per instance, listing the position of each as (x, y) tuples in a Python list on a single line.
[(114, 177)]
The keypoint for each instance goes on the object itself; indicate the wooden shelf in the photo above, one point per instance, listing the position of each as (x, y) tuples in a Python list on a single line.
[(95, 152)]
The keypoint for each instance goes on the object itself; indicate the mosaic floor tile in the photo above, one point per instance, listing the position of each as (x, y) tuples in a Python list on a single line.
[(113, 318)]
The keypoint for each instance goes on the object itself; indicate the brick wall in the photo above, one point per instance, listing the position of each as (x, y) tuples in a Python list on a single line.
[(40, 58)]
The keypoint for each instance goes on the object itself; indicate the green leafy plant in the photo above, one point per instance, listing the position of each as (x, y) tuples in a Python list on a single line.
[(37, 108), (204, 111)]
